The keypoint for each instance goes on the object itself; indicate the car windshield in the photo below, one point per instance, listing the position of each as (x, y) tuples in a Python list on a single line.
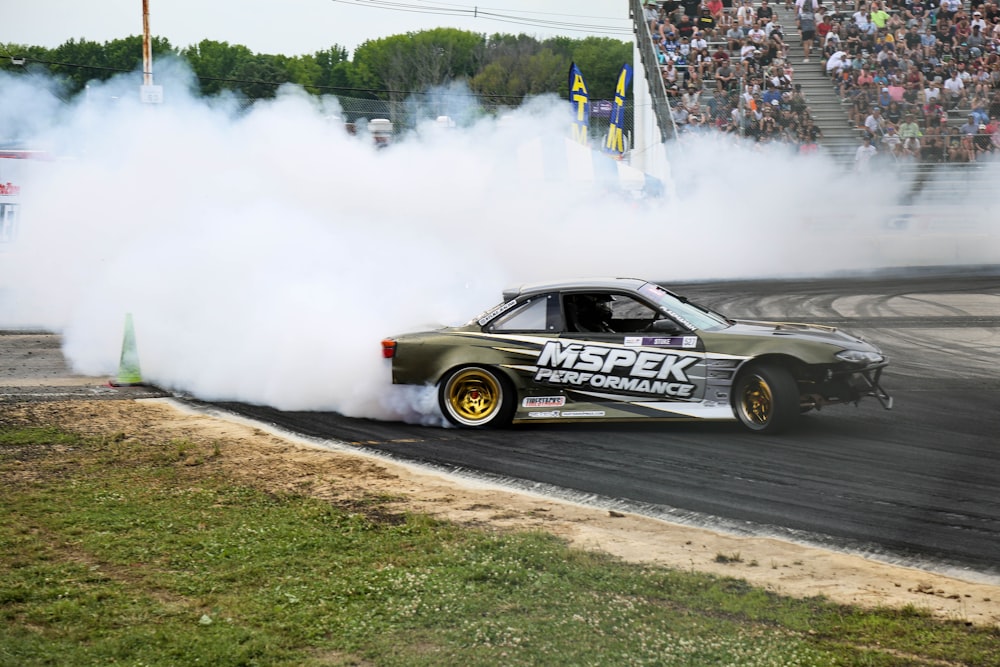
[(687, 313)]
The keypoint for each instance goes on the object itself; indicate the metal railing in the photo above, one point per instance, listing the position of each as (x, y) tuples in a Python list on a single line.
[(657, 89)]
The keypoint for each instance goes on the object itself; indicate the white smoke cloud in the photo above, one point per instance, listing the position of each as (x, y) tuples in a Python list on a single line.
[(264, 255)]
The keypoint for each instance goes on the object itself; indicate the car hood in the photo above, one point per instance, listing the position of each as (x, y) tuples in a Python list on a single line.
[(816, 333)]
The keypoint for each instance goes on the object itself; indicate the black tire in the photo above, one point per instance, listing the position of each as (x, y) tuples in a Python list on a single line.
[(477, 397), (766, 398)]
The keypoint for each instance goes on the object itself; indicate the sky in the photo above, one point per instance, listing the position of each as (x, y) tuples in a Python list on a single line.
[(264, 254), (297, 27)]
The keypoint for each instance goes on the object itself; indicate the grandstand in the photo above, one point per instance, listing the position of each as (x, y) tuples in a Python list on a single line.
[(742, 69)]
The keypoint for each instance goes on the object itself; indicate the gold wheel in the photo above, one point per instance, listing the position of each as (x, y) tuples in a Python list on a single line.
[(757, 401), (766, 398), (472, 397)]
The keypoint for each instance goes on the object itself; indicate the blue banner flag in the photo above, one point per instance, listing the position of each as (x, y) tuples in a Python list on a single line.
[(580, 99), (615, 142)]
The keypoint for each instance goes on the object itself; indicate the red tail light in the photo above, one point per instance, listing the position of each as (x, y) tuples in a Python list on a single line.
[(388, 348)]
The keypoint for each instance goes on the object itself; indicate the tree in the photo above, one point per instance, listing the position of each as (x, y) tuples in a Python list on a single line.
[(600, 59), (417, 61), (334, 68), (215, 64)]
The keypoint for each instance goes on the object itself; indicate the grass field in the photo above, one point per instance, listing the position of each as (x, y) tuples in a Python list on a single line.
[(119, 550)]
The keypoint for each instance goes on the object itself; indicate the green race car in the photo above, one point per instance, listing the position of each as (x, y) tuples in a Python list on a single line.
[(623, 349)]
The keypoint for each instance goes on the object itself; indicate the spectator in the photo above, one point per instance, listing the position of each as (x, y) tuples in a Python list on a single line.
[(969, 127), (725, 77), (670, 76), (875, 124), (932, 93), (865, 77), (983, 140), (651, 12), (705, 22), (893, 114), (680, 115), (883, 98), (993, 130), (909, 132), (715, 9), (734, 38), (879, 16), (837, 63), (691, 97), (949, 8), (807, 24), (980, 106), (691, 9), (863, 155), (932, 149), (765, 13), (934, 115), (696, 119), (891, 141), (685, 27), (928, 42), (978, 20), (954, 90), (745, 17)]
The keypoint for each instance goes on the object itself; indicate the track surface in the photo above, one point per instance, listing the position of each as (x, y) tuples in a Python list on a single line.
[(919, 484)]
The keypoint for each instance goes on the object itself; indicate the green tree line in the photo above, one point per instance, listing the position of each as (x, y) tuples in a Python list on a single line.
[(504, 67)]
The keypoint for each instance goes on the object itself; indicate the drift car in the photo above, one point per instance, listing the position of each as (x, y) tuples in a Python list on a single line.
[(622, 349)]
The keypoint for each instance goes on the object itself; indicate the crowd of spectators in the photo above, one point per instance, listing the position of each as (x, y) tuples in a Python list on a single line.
[(903, 68), (725, 67), (906, 67)]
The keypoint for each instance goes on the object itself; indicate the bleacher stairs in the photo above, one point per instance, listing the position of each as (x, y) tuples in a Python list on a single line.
[(840, 137)]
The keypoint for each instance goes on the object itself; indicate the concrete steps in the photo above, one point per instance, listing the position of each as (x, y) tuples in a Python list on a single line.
[(840, 137)]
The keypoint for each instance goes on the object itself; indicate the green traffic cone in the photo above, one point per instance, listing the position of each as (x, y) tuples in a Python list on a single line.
[(129, 374)]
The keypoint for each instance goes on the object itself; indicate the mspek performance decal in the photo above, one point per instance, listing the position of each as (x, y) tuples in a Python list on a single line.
[(615, 369), (544, 402)]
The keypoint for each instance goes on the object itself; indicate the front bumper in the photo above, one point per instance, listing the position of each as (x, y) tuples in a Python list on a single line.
[(848, 386)]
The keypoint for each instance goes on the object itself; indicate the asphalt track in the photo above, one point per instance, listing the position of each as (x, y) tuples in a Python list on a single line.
[(919, 484)]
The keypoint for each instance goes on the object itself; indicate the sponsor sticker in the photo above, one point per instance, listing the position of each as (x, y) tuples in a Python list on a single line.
[(499, 310), (544, 415), (583, 413), (687, 342), (544, 402), (620, 370)]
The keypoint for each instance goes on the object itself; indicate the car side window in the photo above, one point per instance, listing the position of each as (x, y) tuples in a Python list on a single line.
[(606, 313), (531, 316), (629, 315)]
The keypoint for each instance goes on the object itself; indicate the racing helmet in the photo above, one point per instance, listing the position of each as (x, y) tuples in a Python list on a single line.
[(593, 311)]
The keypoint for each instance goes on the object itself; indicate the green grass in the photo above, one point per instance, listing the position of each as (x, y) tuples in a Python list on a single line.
[(124, 551)]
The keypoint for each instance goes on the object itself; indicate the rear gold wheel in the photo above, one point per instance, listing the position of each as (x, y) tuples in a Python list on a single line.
[(476, 397)]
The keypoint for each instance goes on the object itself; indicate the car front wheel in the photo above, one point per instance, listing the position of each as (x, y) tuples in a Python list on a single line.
[(766, 399), (476, 397)]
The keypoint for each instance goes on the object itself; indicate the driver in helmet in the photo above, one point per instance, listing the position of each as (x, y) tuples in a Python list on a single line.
[(590, 313)]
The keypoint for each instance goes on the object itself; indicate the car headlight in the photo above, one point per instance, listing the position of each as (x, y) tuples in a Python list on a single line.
[(859, 357)]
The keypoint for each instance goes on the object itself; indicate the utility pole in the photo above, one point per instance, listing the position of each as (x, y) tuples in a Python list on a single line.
[(148, 93)]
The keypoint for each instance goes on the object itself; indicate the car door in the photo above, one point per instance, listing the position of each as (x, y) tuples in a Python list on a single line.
[(640, 356)]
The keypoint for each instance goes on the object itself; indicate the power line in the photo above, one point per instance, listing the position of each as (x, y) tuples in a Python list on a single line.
[(448, 9)]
